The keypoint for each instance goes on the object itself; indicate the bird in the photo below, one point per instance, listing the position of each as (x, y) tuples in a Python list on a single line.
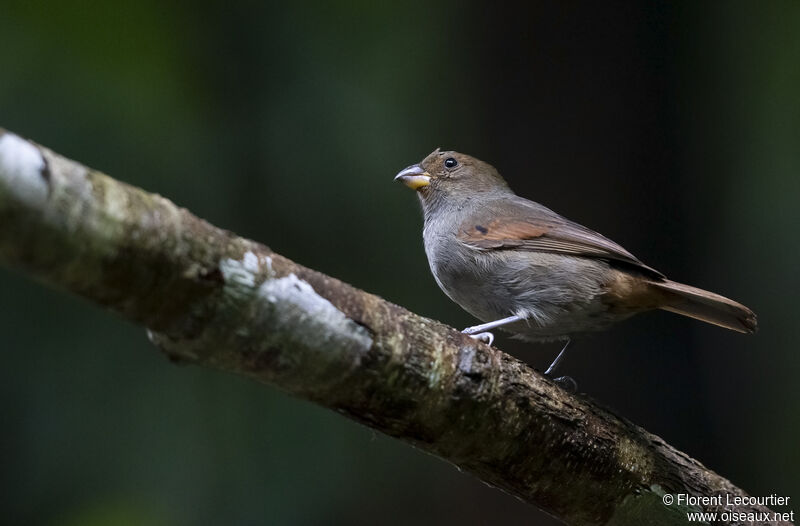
[(520, 267)]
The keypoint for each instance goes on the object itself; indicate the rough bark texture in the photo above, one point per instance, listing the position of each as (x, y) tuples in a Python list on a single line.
[(210, 297)]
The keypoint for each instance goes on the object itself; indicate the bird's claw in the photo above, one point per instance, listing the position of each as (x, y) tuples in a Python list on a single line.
[(485, 337)]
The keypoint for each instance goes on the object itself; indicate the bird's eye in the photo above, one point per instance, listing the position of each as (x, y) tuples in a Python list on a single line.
[(450, 163)]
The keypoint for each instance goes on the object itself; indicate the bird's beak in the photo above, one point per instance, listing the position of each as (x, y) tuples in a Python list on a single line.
[(414, 177)]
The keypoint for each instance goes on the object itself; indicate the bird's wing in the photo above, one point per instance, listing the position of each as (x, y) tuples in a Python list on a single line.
[(525, 225)]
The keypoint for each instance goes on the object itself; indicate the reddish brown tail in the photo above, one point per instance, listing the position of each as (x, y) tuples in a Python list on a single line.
[(707, 306)]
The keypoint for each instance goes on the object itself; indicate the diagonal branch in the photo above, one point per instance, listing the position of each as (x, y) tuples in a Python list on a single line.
[(210, 297)]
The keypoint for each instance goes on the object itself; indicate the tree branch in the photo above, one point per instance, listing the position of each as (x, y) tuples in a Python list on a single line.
[(210, 297)]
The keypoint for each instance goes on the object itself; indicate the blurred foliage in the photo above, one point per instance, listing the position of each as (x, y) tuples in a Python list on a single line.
[(670, 127)]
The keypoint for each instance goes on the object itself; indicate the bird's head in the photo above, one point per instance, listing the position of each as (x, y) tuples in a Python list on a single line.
[(451, 176)]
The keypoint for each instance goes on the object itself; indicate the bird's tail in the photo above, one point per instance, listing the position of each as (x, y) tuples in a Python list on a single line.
[(706, 306)]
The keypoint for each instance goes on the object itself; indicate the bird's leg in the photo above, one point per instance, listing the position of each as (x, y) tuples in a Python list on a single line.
[(564, 381), (480, 332), (557, 361)]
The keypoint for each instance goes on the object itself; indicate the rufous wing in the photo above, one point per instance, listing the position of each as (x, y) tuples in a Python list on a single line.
[(544, 232)]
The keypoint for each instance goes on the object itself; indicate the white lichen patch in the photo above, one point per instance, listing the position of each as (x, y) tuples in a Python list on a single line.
[(310, 320), (21, 166), (310, 335), (239, 276), (250, 262)]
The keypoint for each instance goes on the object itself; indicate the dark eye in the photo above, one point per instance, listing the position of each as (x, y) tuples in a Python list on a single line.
[(450, 163)]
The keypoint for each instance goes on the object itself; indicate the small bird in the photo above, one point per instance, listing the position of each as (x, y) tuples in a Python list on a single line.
[(520, 267)]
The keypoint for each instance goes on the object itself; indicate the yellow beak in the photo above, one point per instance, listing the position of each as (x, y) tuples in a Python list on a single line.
[(414, 177)]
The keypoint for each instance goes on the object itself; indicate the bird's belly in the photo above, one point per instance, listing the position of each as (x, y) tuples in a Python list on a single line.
[(559, 296)]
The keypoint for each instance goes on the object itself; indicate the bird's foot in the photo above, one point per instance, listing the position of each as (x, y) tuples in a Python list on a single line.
[(485, 337), (567, 383)]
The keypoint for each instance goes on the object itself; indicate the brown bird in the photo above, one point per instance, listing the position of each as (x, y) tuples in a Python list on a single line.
[(520, 267)]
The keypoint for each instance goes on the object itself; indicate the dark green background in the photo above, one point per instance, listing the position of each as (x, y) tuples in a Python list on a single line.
[(673, 128)]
